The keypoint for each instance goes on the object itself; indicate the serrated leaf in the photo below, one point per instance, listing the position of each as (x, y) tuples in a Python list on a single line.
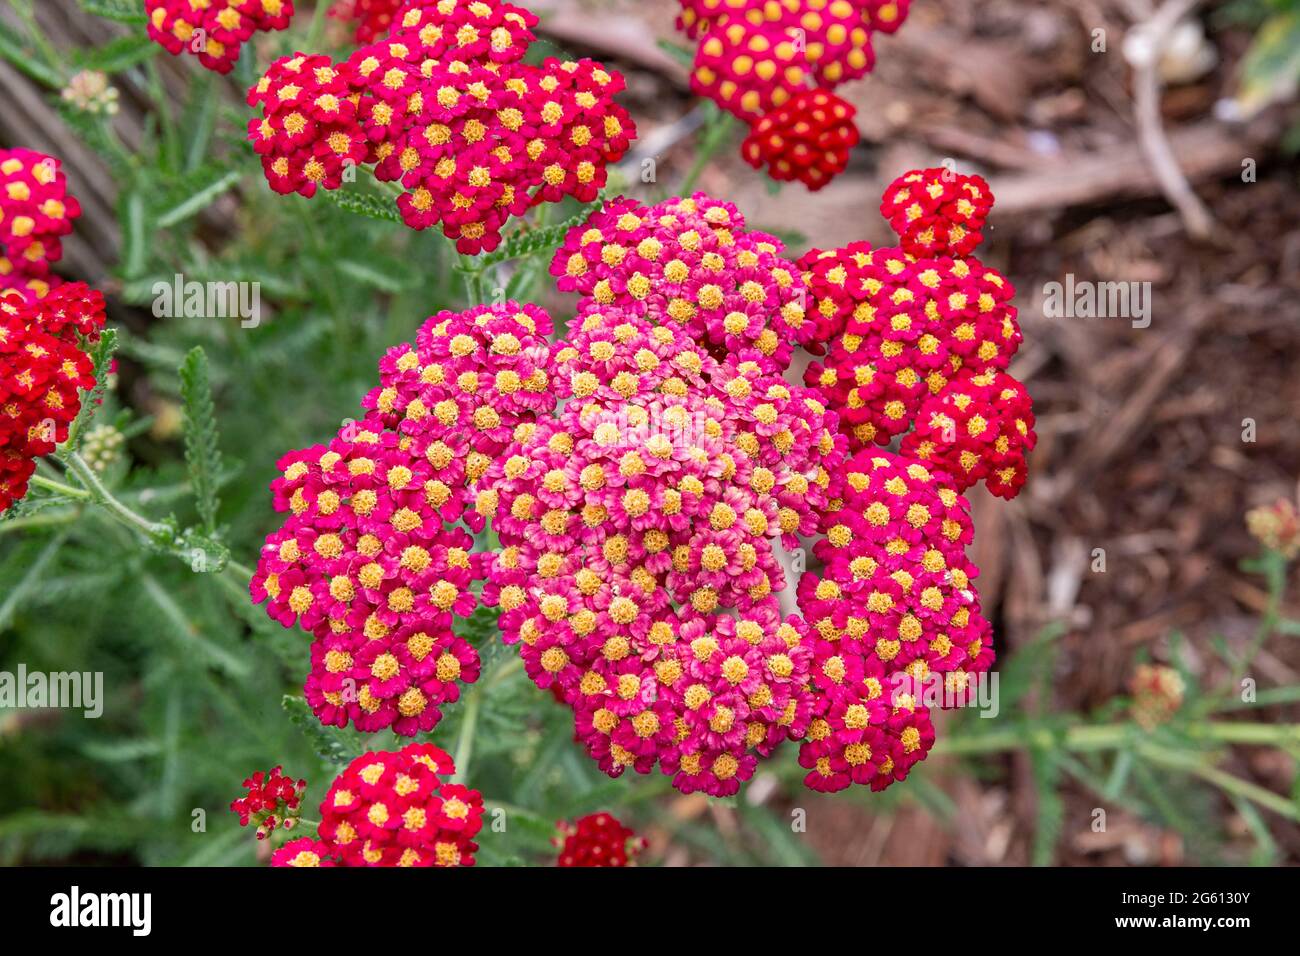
[(529, 242), (329, 747), (123, 11), (202, 453), (362, 205), (1049, 821), (101, 354)]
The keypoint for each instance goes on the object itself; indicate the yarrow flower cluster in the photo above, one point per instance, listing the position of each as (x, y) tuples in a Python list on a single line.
[(213, 30), (922, 335), (36, 211), (446, 107), (774, 65), (690, 264), (646, 474), (43, 368), (809, 139), (598, 839), (892, 610), (634, 520), (373, 18), (393, 809), (273, 800), (373, 559)]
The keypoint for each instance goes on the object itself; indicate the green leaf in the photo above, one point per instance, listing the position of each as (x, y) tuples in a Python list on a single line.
[(123, 11), (202, 453), (325, 743), (528, 242), (117, 55), (363, 205), (1271, 67), (203, 189), (102, 355), (1050, 818)]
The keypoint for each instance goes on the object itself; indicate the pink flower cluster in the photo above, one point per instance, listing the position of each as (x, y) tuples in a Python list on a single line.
[(213, 30), (273, 800), (43, 368), (371, 559), (445, 106), (759, 60), (690, 264), (922, 335), (638, 570), (36, 211), (392, 809)]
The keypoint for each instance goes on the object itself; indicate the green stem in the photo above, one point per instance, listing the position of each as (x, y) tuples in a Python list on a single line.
[(716, 133), (101, 495), (1111, 736), (23, 8), (58, 487), (469, 724)]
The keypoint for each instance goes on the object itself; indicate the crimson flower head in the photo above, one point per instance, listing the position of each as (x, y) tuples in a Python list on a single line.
[(393, 809), (918, 342), (774, 65), (304, 852), (213, 30), (598, 839), (937, 212), (43, 368), (808, 139), (36, 211), (373, 18), (273, 800), (445, 106)]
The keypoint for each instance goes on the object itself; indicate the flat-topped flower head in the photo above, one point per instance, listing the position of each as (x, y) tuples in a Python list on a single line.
[(44, 367), (213, 30), (689, 264), (919, 343), (598, 839), (808, 139), (36, 212), (445, 106), (372, 19), (394, 809), (774, 66), (634, 520), (937, 212), (374, 558)]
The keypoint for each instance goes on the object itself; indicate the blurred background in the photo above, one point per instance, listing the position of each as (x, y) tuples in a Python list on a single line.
[(1147, 630)]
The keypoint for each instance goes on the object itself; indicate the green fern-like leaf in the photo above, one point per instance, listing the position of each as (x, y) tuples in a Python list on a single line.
[(1050, 819), (326, 744), (123, 11), (202, 454), (362, 205)]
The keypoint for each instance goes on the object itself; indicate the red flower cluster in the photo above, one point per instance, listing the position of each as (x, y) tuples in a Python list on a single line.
[(689, 264), (371, 560), (893, 610), (598, 839), (925, 340), (373, 18), (43, 367), (213, 30), (36, 211), (273, 800), (761, 60), (808, 139), (446, 107), (392, 809)]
